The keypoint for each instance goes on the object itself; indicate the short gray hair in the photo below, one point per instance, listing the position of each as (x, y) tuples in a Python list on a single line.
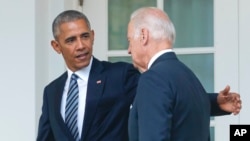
[(159, 27), (67, 16)]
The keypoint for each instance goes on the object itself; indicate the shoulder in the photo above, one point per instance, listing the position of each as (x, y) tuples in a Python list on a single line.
[(112, 66), (58, 81), (117, 70), (117, 65)]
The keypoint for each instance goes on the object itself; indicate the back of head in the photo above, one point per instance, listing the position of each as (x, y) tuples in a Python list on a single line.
[(156, 21), (67, 16)]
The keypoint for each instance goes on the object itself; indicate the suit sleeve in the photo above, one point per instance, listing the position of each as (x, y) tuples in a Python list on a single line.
[(154, 108), (215, 109), (44, 130)]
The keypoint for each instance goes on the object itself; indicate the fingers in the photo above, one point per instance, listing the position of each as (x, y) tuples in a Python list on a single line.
[(237, 104), (226, 90), (236, 111)]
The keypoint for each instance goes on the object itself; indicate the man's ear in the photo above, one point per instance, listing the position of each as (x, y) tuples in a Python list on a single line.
[(144, 36), (93, 36), (56, 46)]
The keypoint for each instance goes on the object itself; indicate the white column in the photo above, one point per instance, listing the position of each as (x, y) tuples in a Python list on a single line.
[(244, 59), (49, 65), (17, 75), (226, 58)]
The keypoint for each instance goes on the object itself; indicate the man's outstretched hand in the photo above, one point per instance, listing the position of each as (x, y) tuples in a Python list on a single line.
[(229, 101)]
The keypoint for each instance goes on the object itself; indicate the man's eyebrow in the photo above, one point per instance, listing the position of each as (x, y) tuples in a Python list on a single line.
[(85, 33), (70, 38)]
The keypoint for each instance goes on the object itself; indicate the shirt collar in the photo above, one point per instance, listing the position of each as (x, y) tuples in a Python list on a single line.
[(157, 55)]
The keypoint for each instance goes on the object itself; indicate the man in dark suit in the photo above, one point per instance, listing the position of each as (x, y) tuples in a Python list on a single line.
[(105, 90), (170, 103)]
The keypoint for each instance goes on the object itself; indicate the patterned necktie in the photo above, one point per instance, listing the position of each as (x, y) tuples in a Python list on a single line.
[(72, 107)]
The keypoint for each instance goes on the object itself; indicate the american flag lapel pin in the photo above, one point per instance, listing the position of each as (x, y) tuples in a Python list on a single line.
[(98, 81)]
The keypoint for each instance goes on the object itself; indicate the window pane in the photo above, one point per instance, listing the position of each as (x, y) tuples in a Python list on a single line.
[(118, 17), (203, 67), (211, 133), (193, 20)]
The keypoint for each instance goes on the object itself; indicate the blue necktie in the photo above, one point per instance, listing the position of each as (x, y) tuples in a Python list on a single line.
[(72, 107)]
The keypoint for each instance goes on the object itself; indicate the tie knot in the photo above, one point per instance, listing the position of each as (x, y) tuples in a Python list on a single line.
[(74, 76)]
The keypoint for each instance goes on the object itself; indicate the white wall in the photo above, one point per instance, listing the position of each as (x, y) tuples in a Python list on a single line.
[(27, 64), (244, 59), (17, 76)]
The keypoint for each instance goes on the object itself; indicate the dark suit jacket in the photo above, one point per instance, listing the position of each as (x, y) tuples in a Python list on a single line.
[(107, 104), (170, 104)]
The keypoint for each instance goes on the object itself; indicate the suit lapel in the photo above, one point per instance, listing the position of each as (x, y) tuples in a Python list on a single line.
[(57, 101), (94, 93)]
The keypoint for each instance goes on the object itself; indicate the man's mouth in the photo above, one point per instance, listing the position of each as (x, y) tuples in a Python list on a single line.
[(82, 56)]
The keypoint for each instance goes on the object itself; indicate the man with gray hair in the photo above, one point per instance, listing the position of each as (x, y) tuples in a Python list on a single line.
[(170, 103)]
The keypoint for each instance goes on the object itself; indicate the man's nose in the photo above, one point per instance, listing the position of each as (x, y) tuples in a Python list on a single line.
[(80, 43)]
